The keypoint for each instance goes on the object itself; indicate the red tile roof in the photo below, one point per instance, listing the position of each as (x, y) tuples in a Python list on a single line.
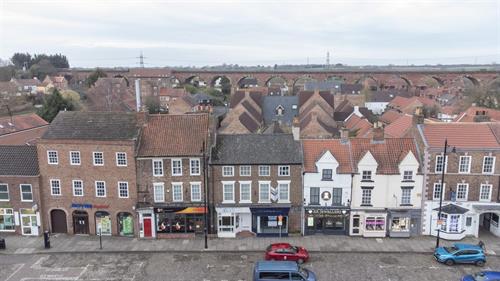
[(460, 135), (314, 149), (471, 112), (388, 153), (29, 136), (390, 116), (399, 127), (172, 92), (174, 135), (20, 122), (358, 124)]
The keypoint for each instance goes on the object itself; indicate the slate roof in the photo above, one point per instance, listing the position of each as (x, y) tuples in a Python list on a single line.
[(460, 135), (387, 95), (315, 149), (174, 135), (93, 126), (253, 149), (351, 89), (19, 160), (322, 85), (270, 103), (452, 209)]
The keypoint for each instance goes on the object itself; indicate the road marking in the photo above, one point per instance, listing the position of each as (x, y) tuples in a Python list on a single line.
[(15, 271)]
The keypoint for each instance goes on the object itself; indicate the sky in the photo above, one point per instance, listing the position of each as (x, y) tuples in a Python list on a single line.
[(111, 33)]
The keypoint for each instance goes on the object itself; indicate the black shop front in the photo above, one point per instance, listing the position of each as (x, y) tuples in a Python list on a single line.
[(326, 220)]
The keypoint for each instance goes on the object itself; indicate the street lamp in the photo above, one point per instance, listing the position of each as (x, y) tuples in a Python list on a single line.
[(442, 188), (205, 191)]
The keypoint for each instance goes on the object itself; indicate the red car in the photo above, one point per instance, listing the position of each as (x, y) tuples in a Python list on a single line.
[(286, 252)]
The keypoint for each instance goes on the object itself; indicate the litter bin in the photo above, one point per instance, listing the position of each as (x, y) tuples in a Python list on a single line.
[(46, 239), (2, 243)]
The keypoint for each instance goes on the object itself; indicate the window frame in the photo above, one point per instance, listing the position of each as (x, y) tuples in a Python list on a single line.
[(94, 158), (282, 168), (249, 171), (367, 176), (118, 160), (56, 157), (52, 187), (444, 163), (73, 188), (97, 190), (489, 193), (287, 183), (492, 165), (71, 158), (174, 185), (468, 166), (466, 191), (249, 183), (195, 183), (364, 196), (120, 190), (231, 168), (172, 168), (443, 190), (406, 196), (268, 183), (157, 160), (8, 194), (268, 171), (224, 183), (191, 166), (156, 194), (323, 178), (408, 175), (311, 202)]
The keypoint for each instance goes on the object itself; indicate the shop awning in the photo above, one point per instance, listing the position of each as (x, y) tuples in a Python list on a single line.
[(452, 209)]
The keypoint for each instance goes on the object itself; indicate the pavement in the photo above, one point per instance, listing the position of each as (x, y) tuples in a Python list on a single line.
[(61, 243)]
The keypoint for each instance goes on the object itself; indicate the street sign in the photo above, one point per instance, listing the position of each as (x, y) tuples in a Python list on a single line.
[(280, 220), (440, 222)]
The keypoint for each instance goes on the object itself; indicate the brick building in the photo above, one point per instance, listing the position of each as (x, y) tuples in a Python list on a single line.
[(256, 181), (470, 194), (88, 174), (19, 190), (171, 175)]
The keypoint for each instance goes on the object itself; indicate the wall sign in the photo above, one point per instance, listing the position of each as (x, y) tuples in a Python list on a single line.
[(326, 195), (88, 206)]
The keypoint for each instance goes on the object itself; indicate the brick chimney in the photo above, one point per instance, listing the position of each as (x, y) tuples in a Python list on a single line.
[(344, 135), (378, 132), (296, 128), (418, 116), (142, 118)]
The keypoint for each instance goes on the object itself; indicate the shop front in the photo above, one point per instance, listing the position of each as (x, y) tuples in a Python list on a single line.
[(146, 222), (326, 220), (179, 220), (270, 221), (125, 224), (7, 221), (368, 224), (233, 220), (403, 223)]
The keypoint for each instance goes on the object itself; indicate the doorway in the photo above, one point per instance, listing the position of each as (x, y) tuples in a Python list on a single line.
[(29, 222), (58, 221), (147, 227), (80, 222)]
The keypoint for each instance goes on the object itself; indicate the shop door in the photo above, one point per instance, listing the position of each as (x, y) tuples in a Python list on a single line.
[(319, 224), (58, 221), (29, 225), (487, 221), (80, 222), (147, 227), (355, 225)]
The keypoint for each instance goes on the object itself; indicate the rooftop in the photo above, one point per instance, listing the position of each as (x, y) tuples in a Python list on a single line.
[(460, 135), (20, 123), (19, 160)]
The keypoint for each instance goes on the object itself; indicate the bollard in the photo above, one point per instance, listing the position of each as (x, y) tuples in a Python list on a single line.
[(2, 244), (46, 239)]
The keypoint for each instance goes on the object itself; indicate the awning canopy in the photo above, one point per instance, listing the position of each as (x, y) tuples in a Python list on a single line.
[(452, 209)]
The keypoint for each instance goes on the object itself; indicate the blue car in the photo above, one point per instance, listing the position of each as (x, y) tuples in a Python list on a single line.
[(483, 276), (461, 253), (281, 270)]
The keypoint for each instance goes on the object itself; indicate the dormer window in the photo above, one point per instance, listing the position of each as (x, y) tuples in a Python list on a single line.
[(280, 110), (326, 175), (367, 176), (407, 175)]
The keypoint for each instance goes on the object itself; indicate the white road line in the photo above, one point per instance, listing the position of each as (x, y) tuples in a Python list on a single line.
[(15, 271)]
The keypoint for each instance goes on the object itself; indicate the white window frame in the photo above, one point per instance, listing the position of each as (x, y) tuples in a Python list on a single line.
[(409, 176), (118, 160), (249, 200), (287, 183), (460, 164), (489, 194), (71, 158), (191, 166), (249, 171), (224, 183), (492, 164), (268, 171), (231, 168), (156, 194), (176, 184), (94, 158), (268, 193), (8, 194), (195, 183), (73, 187), (403, 190), (172, 166), (157, 160), (364, 197), (21, 192), (96, 189), (443, 190), (369, 175), (56, 157), (445, 163), (466, 191), (52, 188), (119, 189), (285, 168)]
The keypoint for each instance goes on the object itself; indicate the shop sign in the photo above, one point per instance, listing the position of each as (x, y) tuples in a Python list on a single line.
[(326, 195), (325, 211), (233, 210), (280, 220), (310, 221), (440, 222), (182, 210), (88, 206)]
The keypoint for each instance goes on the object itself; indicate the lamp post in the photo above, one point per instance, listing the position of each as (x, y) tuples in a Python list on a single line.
[(205, 229), (442, 189)]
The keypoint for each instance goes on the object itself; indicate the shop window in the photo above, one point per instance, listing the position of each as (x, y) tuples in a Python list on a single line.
[(125, 224), (314, 196), (337, 197), (7, 219), (269, 224), (178, 223), (326, 174), (494, 220), (4, 192), (26, 193), (400, 224), (454, 223), (226, 223), (375, 223), (443, 220), (103, 223)]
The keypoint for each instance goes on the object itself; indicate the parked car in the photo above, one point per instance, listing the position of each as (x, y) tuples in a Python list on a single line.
[(286, 252), (483, 276), (281, 270), (461, 253)]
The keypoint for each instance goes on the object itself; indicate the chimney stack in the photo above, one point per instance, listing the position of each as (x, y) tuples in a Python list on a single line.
[(138, 95), (378, 132), (418, 116), (344, 135), (296, 129)]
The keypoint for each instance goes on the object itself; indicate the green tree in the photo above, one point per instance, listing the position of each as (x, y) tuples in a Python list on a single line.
[(52, 105), (153, 105), (191, 89), (98, 73), (7, 72), (19, 59), (42, 69), (225, 85)]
